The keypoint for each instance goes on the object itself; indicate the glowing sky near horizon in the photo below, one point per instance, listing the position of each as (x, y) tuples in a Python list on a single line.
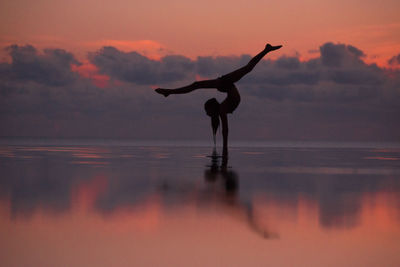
[(194, 28)]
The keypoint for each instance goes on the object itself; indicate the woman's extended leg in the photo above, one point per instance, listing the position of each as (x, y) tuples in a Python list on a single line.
[(238, 74), (187, 89)]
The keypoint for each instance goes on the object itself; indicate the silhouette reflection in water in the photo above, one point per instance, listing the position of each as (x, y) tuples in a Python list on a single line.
[(330, 206), (339, 183), (221, 191), (219, 173)]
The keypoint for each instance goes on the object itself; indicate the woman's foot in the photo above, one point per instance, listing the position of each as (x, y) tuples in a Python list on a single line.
[(269, 47), (163, 92)]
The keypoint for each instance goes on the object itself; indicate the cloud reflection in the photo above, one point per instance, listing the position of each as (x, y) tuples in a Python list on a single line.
[(47, 178)]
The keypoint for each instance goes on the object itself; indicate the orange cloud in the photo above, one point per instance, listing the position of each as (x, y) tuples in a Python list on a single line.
[(90, 71)]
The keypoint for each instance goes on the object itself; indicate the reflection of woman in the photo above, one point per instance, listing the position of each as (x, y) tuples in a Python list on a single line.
[(229, 199), (223, 84), (221, 192)]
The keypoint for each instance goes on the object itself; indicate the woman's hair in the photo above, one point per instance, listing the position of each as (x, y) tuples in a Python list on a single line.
[(212, 109)]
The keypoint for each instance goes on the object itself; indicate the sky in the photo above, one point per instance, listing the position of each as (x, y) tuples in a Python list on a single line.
[(89, 68)]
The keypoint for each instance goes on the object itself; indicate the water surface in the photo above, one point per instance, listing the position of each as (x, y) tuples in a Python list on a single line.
[(116, 204)]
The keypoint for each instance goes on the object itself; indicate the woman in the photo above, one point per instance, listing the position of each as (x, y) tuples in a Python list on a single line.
[(223, 84)]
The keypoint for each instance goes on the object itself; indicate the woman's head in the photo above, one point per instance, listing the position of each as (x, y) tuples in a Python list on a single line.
[(212, 109)]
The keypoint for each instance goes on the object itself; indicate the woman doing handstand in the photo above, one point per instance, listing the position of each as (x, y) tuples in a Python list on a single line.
[(223, 84)]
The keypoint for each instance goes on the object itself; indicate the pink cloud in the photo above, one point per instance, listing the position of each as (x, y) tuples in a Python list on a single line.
[(90, 71)]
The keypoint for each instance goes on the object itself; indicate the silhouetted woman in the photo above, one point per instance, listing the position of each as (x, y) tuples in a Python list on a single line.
[(223, 84)]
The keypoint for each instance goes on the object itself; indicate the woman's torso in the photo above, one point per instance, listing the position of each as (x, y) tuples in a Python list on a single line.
[(232, 100)]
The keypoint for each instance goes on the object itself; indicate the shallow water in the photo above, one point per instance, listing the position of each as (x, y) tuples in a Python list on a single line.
[(131, 205)]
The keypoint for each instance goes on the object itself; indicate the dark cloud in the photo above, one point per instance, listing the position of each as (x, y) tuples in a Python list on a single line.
[(218, 66), (338, 75), (336, 96), (135, 68), (291, 63), (394, 60), (50, 68), (336, 55)]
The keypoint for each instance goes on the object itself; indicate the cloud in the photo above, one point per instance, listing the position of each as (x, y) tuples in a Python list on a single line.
[(394, 60), (339, 71), (336, 55), (339, 74), (291, 63), (148, 48), (51, 68), (336, 96), (218, 66), (90, 71), (135, 68)]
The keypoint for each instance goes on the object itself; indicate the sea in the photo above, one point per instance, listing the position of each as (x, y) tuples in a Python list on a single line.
[(85, 202)]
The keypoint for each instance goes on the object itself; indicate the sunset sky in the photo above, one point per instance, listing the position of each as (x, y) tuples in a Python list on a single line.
[(203, 28), (58, 80)]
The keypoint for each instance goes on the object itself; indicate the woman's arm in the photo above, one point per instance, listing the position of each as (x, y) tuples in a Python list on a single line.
[(224, 121), (187, 89)]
